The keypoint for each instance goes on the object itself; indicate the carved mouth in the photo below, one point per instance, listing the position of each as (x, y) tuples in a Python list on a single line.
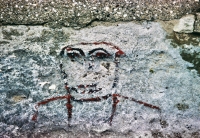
[(86, 89), (91, 91)]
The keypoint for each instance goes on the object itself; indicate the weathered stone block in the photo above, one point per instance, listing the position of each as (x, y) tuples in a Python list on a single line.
[(185, 24), (197, 23)]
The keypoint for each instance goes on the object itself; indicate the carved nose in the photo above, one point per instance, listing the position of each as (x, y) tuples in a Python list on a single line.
[(90, 66)]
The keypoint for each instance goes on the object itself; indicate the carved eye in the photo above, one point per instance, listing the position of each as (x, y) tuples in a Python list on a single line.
[(101, 55), (73, 55)]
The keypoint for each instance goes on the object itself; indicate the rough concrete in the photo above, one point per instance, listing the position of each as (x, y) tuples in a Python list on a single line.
[(80, 13)]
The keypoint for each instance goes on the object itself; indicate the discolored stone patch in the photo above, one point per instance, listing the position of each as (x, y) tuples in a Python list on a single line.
[(7, 34), (193, 58), (183, 38), (56, 35), (182, 106), (18, 98), (188, 43), (17, 95)]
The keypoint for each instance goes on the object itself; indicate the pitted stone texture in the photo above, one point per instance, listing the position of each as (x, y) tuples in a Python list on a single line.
[(152, 71), (80, 13), (197, 23), (185, 24)]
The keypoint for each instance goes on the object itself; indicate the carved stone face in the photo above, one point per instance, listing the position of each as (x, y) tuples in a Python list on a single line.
[(90, 68)]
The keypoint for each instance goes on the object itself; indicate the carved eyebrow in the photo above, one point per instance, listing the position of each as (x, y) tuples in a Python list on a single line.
[(79, 50), (96, 49), (70, 49)]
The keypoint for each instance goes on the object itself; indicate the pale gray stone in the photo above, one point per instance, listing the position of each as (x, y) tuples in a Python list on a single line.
[(152, 71), (185, 24), (197, 23)]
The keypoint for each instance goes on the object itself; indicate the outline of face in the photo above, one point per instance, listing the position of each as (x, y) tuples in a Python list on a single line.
[(70, 98), (88, 59)]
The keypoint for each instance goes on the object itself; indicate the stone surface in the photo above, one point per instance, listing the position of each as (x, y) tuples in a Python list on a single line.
[(169, 25), (185, 24), (82, 12), (183, 38), (197, 23), (152, 71)]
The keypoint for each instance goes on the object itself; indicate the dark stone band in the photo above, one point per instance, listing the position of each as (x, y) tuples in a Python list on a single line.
[(82, 12)]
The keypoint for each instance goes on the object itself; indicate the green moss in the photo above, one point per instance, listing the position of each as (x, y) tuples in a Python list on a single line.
[(151, 71), (193, 58), (179, 39)]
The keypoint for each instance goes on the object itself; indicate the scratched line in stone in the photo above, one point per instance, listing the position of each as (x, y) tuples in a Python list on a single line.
[(91, 62)]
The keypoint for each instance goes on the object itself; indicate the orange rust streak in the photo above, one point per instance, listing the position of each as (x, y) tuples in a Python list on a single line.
[(81, 86), (106, 43), (68, 97), (69, 106), (141, 102), (34, 118), (119, 53), (115, 102), (51, 99), (148, 105), (96, 43), (101, 54)]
